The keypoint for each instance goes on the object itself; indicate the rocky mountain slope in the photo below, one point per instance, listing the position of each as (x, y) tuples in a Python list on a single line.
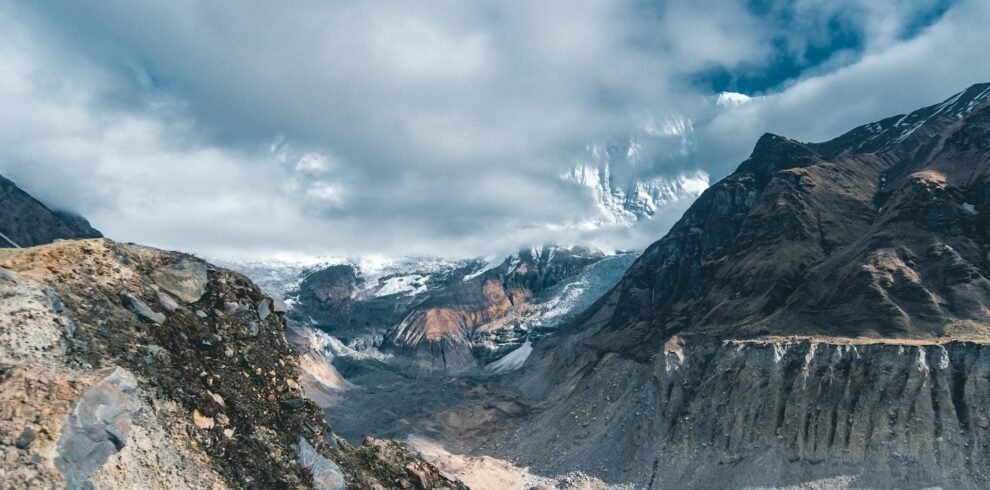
[(817, 317), (124, 366), (25, 221)]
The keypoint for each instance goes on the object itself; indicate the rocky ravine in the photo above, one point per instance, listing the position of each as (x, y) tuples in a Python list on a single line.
[(874, 248), (123, 366), (449, 323)]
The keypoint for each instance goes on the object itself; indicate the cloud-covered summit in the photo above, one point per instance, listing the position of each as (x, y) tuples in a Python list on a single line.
[(431, 127)]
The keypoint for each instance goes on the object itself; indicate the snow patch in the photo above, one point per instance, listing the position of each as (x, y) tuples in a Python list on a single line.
[(513, 360)]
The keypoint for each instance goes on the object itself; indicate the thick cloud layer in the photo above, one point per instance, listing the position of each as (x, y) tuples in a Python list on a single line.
[(250, 128)]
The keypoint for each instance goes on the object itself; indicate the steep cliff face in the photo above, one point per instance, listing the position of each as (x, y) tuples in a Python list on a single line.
[(770, 412), (123, 366), (25, 221)]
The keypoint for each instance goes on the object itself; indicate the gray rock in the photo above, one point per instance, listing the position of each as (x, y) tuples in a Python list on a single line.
[(7, 276), (201, 313), (56, 302), (279, 306), (97, 427), (142, 310), (167, 302), (263, 310), (185, 279), (230, 307), (326, 473), (253, 328), (25, 439)]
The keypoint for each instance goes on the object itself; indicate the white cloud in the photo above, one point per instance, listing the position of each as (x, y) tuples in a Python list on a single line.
[(421, 128)]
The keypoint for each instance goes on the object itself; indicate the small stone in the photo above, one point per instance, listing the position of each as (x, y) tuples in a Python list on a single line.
[(292, 384), (26, 438), (228, 433), (279, 306), (982, 421), (7, 264), (292, 403), (142, 310), (202, 421), (263, 310), (167, 302), (201, 313), (252, 328), (403, 483), (418, 476), (56, 302), (217, 398)]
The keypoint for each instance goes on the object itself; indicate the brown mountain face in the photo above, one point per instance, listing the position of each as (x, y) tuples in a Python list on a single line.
[(27, 222), (881, 233), (819, 318)]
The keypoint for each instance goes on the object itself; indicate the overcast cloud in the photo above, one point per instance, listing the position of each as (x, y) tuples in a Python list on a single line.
[(255, 128)]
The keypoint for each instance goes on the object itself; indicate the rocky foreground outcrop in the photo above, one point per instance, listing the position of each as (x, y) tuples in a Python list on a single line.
[(127, 367)]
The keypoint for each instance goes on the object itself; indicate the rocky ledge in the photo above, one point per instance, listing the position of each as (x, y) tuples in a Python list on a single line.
[(123, 367)]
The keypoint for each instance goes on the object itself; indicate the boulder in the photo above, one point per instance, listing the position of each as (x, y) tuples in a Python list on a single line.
[(186, 279), (326, 473), (97, 427), (167, 302), (263, 310), (142, 310)]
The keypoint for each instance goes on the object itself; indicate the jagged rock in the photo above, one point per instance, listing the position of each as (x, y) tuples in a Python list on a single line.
[(279, 306), (97, 427), (8, 276), (263, 310), (57, 303), (142, 310), (167, 302), (202, 421), (25, 439), (326, 473), (186, 279)]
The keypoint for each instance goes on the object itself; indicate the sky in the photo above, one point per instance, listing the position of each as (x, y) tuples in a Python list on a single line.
[(252, 129)]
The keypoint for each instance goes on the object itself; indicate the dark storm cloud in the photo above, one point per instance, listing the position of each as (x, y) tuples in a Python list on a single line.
[(408, 127)]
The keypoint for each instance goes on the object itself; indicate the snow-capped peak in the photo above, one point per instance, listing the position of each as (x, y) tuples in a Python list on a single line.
[(732, 99)]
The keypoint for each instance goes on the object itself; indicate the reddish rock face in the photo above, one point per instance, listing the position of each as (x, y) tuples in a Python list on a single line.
[(882, 232)]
